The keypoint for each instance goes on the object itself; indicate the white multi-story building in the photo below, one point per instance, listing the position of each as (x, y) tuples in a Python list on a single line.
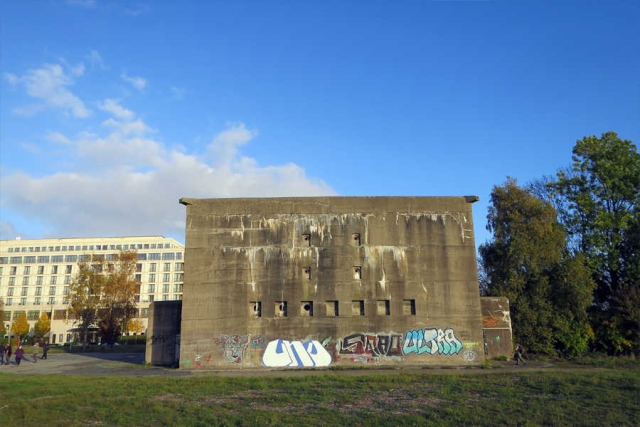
[(35, 275)]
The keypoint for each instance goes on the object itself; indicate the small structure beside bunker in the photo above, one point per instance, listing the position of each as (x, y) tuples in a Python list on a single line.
[(326, 281)]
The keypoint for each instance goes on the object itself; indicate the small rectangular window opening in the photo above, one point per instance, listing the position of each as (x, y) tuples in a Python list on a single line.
[(384, 308), (281, 309), (255, 308), (409, 307), (357, 272), (306, 308), (306, 238), (306, 271), (332, 309), (357, 308), (355, 239)]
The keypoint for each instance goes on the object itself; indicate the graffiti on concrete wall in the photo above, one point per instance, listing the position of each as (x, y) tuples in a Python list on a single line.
[(363, 347), (281, 353), (234, 347), (431, 341)]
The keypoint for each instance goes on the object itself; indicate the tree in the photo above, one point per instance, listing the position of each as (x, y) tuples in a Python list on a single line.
[(527, 261), (42, 326), (601, 198), (103, 294), (85, 292), (3, 329), (20, 326), (118, 303), (135, 326)]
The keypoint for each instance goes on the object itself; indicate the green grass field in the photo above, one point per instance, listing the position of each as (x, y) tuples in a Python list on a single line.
[(588, 396)]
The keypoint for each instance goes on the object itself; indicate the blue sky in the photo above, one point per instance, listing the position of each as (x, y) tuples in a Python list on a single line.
[(110, 111)]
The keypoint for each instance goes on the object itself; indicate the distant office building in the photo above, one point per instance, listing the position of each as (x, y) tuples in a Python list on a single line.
[(320, 281), (35, 275)]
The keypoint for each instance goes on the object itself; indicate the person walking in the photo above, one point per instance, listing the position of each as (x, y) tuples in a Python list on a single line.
[(45, 350), (1, 353), (19, 354), (7, 353), (36, 350), (519, 353)]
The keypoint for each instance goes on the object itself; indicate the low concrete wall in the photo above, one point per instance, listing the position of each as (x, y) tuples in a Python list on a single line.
[(163, 338)]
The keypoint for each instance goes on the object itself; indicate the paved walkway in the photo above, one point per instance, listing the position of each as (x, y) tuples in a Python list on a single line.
[(132, 364)]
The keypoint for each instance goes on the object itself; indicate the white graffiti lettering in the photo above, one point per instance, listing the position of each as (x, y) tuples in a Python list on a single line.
[(281, 353)]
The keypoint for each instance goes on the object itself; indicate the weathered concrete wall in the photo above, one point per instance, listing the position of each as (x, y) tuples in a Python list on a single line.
[(163, 339), (291, 282), (496, 322)]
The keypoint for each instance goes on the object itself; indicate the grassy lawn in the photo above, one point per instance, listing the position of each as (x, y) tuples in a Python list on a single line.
[(590, 396)]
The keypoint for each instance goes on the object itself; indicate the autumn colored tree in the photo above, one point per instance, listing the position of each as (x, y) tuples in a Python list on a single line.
[(118, 305), (548, 288), (3, 329), (85, 292), (42, 326), (20, 326), (135, 326)]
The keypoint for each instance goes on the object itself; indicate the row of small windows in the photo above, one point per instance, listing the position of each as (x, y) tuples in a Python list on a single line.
[(53, 280), (13, 270), (45, 259), (166, 287), (332, 308), (63, 248), (58, 314)]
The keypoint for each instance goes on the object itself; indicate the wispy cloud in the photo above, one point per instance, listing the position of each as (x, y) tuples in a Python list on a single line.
[(112, 106), (49, 84), (139, 10), (177, 93), (95, 60), (137, 82), (58, 138)]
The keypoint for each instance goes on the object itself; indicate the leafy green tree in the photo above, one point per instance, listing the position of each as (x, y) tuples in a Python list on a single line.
[(20, 326), (527, 262), (600, 195), (42, 326)]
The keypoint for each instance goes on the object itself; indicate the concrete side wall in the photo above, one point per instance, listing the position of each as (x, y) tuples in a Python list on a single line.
[(164, 339), (323, 281), (496, 322)]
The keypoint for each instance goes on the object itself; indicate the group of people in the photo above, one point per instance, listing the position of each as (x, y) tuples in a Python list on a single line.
[(6, 352)]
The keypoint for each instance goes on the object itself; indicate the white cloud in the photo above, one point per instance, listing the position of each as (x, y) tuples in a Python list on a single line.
[(28, 110), (112, 106), (49, 84), (58, 138), (95, 59), (11, 78), (8, 231), (138, 127), (137, 82), (123, 184)]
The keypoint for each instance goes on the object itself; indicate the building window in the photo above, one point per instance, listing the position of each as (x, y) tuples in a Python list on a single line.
[(357, 308), (27, 269), (409, 307), (33, 315), (13, 270), (153, 266), (138, 267), (38, 290), (39, 280), (177, 287), (68, 269), (384, 308), (25, 280), (10, 292), (152, 277), (281, 309), (54, 280), (9, 302), (23, 301), (165, 288), (178, 277), (179, 266), (332, 308), (306, 308), (151, 298), (37, 301), (65, 290), (41, 269), (306, 238), (138, 278), (151, 288), (165, 297), (54, 269), (67, 280), (357, 272), (167, 266), (144, 313), (255, 308), (306, 272), (166, 277), (12, 281), (24, 292), (355, 239), (51, 301)]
